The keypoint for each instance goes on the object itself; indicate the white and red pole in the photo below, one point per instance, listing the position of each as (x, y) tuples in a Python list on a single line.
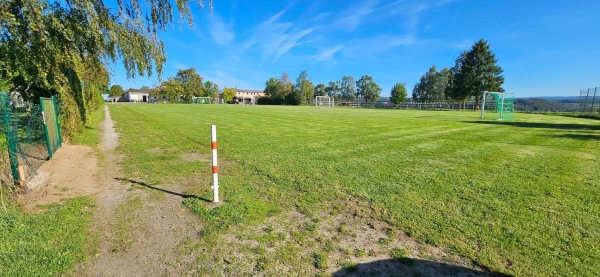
[(215, 168)]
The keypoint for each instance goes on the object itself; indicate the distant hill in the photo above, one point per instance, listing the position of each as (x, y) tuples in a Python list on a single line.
[(561, 99), (547, 104)]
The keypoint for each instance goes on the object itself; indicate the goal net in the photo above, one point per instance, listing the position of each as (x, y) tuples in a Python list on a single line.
[(500, 103), (326, 101), (201, 100)]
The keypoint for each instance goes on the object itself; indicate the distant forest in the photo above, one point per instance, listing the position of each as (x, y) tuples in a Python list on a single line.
[(545, 105)]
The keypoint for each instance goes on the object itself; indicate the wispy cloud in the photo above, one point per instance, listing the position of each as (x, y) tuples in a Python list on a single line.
[(221, 33), (276, 38), (354, 15), (327, 55)]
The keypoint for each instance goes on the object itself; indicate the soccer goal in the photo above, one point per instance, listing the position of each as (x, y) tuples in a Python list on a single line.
[(324, 101), (201, 100), (502, 103)]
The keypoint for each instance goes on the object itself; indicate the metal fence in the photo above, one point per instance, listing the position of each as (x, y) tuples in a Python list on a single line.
[(589, 101), (29, 135)]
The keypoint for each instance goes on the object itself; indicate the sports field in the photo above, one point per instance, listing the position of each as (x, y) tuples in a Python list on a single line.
[(519, 197)]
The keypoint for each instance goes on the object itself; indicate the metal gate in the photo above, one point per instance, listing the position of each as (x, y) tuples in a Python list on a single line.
[(51, 126)]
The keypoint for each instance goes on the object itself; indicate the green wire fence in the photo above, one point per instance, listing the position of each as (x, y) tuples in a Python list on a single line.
[(29, 135)]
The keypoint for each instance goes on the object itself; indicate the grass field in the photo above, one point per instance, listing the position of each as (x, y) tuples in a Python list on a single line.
[(519, 197)]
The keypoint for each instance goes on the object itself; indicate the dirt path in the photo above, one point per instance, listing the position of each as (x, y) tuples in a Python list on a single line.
[(138, 229)]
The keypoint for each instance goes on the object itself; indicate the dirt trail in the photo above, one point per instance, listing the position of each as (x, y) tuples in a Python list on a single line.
[(140, 228)]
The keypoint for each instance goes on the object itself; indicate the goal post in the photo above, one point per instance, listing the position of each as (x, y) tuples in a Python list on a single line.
[(504, 104), (201, 100), (324, 101)]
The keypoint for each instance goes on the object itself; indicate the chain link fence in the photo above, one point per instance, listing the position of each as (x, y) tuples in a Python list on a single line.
[(589, 101), (25, 142)]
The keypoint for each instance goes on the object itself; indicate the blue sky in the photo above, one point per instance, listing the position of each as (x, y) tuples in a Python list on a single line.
[(546, 48)]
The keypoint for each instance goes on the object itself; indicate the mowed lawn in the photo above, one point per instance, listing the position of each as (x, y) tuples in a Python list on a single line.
[(520, 197)]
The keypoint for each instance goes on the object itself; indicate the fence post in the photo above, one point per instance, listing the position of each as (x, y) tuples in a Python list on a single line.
[(215, 168), (10, 138), (49, 146), (57, 123)]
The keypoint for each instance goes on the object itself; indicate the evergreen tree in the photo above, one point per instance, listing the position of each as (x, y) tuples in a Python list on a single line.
[(398, 94), (475, 72)]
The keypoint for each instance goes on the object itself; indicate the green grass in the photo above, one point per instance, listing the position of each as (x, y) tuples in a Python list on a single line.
[(91, 131), (520, 197), (46, 244)]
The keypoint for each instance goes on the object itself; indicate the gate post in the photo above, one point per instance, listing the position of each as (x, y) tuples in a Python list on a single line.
[(10, 138)]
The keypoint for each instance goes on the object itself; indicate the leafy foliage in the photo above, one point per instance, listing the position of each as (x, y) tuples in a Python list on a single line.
[(320, 90), (228, 94), (53, 47), (398, 94), (368, 89), (348, 88), (432, 85), (116, 90)]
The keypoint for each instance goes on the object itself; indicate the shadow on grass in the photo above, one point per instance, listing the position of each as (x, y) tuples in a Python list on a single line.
[(580, 136), (411, 267), (540, 125), (184, 196)]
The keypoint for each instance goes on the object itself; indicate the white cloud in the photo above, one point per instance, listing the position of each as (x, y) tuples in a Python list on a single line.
[(327, 55), (221, 33), (353, 16), (275, 38)]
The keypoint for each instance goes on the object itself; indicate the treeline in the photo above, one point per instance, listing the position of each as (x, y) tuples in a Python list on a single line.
[(182, 87), (281, 91), (543, 105), (474, 71)]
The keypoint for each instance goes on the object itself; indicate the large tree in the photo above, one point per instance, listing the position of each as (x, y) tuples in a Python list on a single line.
[(432, 85), (320, 90), (476, 71), (55, 47), (116, 90), (304, 87), (368, 89), (348, 88), (398, 94), (334, 89), (228, 94)]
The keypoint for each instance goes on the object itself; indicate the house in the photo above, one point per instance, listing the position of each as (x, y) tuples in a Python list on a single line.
[(138, 95), (248, 96)]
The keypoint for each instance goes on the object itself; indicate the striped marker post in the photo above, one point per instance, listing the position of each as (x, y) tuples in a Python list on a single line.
[(215, 168)]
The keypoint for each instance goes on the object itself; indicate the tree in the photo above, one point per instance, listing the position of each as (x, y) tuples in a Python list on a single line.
[(476, 71), (285, 90), (210, 90), (228, 94), (398, 93), (171, 90), (304, 87), (368, 89), (348, 88), (53, 47), (191, 82), (333, 89), (271, 87), (116, 90), (320, 90), (432, 85)]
